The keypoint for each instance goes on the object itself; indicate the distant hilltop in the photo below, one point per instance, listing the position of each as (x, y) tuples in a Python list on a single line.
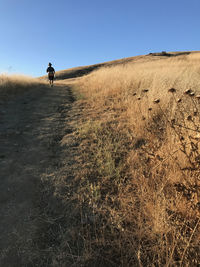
[(83, 70)]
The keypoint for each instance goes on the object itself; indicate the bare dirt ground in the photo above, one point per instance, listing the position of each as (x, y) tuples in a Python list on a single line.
[(32, 127)]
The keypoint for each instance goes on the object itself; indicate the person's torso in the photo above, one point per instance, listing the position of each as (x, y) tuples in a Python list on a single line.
[(50, 70)]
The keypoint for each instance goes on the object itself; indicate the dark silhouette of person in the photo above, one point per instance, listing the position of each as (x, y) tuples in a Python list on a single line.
[(51, 73)]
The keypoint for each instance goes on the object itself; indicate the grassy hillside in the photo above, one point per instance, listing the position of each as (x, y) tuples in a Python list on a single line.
[(139, 185), (11, 85), (84, 70), (130, 195)]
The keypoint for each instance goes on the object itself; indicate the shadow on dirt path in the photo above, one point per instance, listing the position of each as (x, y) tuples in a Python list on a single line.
[(31, 127)]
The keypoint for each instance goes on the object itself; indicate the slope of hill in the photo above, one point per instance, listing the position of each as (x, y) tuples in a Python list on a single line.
[(138, 186), (84, 70), (13, 85), (110, 178)]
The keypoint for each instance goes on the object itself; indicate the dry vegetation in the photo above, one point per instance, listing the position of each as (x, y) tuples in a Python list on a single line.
[(135, 198), (139, 186), (16, 84)]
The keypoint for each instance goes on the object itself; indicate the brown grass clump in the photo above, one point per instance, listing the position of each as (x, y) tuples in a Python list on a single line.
[(139, 184), (16, 84)]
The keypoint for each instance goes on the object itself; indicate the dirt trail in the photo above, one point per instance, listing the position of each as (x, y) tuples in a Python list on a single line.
[(31, 127)]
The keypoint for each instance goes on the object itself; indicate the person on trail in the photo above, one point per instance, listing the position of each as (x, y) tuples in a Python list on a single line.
[(51, 73)]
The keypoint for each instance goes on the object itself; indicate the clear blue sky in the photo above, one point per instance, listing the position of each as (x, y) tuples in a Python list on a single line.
[(72, 33)]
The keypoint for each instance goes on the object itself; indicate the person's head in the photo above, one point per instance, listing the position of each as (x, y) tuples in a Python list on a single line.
[(50, 64)]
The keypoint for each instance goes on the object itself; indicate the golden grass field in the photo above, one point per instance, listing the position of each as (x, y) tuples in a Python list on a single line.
[(11, 85), (140, 177), (134, 199)]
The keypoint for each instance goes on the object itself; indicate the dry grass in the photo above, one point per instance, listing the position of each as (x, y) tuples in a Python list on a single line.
[(16, 84), (140, 178)]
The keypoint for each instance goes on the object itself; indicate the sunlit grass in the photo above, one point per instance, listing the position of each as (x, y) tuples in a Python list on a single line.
[(142, 157), (16, 84)]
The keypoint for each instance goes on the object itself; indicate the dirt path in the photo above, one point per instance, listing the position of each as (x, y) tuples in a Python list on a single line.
[(31, 127)]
